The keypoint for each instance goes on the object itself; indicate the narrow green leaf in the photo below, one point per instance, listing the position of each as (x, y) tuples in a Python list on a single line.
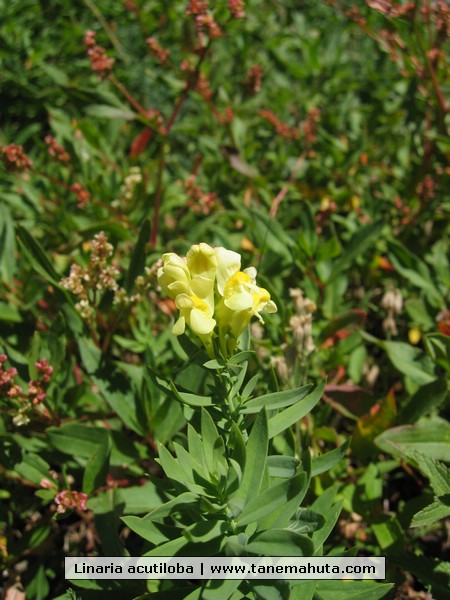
[(220, 459), (250, 386), (7, 244), (270, 500), (214, 364), (171, 466), (204, 531), (256, 459), (167, 420), (242, 356), (209, 437), (181, 502), (281, 517), (323, 463), (104, 111), (195, 444), (294, 413), (190, 465), (280, 542), (37, 256), (137, 262), (148, 530), (191, 399), (237, 446), (324, 505), (276, 400), (282, 466), (307, 521), (172, 548)]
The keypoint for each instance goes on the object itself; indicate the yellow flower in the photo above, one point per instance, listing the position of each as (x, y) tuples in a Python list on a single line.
[(242, 299), (202, 265), (194, 312), (229, 263), (414, 336), (174, 276), (209, 289)]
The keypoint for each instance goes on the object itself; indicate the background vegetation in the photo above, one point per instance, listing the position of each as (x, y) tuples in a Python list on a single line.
[(311, 137)]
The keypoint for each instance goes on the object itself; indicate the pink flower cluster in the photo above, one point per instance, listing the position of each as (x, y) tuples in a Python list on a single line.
[(7, 385), (199, 200), (15, 158), (236, 8), (82, 194), (156, 48), (197, 7), (101, 63), (56, 150), (36, 388), (70, 500)]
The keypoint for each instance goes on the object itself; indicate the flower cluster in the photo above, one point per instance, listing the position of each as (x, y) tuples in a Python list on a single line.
[(158, 51), (253, 80), (283, 129), (215, 298), (101, 63), (56, 150), (127, 189), (36, 388), (7, 385), (199, 200), (392, 302), (15, 158), (197, 7), (82, 194), (301, 324), (208, 23), (237, 9), (297, 353), (99, 276), (22, 402), (70, 500)]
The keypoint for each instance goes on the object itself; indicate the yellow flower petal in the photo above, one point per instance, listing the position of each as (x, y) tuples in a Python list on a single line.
[(200, 322), (229, 263), (179, 326)]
